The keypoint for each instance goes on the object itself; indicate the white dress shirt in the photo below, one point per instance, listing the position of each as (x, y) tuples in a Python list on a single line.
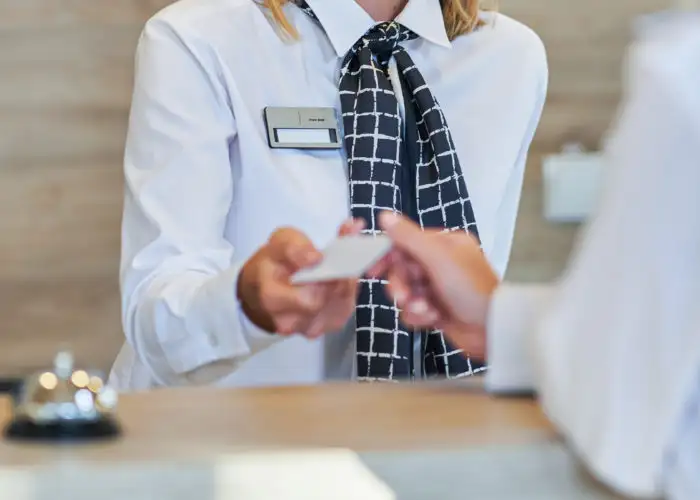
[(614, 351), (204, 190)]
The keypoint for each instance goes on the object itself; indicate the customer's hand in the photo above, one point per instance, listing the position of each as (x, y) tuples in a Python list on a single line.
[(440, 280), (274, 304)]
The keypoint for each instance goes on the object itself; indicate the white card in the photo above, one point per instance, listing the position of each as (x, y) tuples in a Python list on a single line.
[(346, 258)]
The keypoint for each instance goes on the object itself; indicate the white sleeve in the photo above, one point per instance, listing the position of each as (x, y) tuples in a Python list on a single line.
[(616, 349), (514, 313), (178, 273)]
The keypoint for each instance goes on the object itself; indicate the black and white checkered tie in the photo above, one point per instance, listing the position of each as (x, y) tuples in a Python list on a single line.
[(374, 145)]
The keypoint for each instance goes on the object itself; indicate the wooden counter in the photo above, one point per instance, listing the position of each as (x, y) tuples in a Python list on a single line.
[(405, 434)]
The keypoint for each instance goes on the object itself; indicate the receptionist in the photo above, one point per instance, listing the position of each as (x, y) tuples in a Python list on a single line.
[(250, 117)]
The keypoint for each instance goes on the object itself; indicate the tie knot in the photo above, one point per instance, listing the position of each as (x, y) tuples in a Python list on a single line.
[(384, 38)]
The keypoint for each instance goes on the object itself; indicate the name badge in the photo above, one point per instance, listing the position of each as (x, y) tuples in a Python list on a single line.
[(302, 128)]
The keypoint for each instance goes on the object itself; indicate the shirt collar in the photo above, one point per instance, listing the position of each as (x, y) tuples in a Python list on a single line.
[(344, 21)]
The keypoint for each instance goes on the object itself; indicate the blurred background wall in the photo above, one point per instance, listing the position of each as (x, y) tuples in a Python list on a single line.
[(65, 83)]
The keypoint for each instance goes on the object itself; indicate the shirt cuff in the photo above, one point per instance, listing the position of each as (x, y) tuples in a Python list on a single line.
[(514, 313), (231, 336), (254, 338)]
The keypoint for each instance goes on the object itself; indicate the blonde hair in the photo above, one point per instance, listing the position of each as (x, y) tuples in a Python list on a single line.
[(461, 16)]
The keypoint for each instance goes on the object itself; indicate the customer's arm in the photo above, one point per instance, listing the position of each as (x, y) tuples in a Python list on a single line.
[(514, 316), (614, 350)]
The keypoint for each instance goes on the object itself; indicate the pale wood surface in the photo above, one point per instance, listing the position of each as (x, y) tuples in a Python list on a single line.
[(64, 95), (192, 423), (431, 440)]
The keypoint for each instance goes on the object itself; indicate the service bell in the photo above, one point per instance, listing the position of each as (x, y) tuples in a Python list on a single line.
[(64, 404)]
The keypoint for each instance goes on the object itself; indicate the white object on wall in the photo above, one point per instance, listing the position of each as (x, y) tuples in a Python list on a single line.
[(571, 184)]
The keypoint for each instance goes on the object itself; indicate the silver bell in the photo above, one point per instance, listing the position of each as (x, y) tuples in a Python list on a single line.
[(64, 403)]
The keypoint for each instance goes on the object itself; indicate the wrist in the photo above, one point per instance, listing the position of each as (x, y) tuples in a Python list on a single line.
[(469, 338), (470, 333)]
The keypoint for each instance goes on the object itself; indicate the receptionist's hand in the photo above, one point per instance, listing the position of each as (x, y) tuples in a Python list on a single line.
[(274, 304)]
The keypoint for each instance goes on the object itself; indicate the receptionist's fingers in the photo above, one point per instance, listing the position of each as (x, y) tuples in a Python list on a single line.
[(293, 323), (343, 289), (338, 306), (263, 287), (278, 296), (293, 249), (317, 327), (298, 321)]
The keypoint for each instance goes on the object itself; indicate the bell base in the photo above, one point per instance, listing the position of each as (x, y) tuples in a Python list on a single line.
[(23, 429)]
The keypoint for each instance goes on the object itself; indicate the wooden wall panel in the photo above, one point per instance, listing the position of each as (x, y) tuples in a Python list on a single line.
[(28, 14), (585, 45), (65, 222), (66, 81), (67, 70), (41, 316), (64, 94)]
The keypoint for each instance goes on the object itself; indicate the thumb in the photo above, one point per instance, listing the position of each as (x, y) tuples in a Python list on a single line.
[(293, 249), (408, 237)]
